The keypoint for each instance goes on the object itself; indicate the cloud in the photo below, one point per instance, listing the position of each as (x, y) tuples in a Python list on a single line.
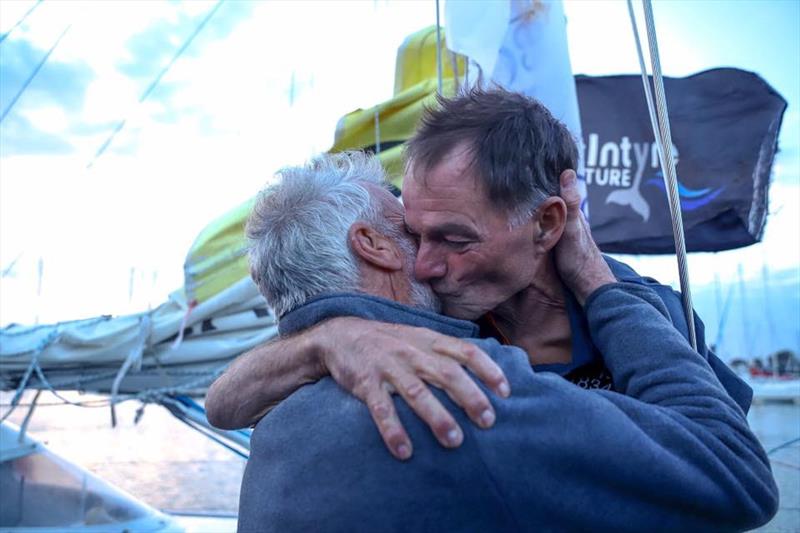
[(60, 83), (21, 137), (151, 50)]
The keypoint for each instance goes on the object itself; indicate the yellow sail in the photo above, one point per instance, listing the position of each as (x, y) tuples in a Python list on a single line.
[(218, 258)]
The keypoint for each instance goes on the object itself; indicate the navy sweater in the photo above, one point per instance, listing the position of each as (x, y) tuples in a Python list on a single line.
[(670, 451)]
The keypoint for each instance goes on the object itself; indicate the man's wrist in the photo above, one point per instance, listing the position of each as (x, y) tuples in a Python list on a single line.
[(313, 346), (592, 279)]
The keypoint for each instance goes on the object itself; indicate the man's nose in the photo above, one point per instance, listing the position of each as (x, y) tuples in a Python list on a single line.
[(429, 264)]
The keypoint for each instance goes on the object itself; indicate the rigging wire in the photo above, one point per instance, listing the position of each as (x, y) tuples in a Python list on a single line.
[(20, 21), (211, 435), (783, 463), (86, 403), (377, 131), (670, 174), (784, 445), (723, 319), (10, 268), (156, 81), (648, 95), (664, 142), (24, 426), (36, 70), (438, 50)]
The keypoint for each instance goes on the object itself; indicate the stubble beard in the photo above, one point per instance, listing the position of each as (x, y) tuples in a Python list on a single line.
[(421, 295)]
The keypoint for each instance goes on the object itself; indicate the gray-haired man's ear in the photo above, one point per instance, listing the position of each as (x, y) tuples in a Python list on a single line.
[(374, 248)]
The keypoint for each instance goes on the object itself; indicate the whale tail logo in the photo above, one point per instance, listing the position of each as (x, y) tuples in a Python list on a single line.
[(631, 197), (691, 199)]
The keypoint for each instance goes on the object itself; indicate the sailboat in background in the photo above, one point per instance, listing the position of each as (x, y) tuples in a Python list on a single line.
[(772, 376)]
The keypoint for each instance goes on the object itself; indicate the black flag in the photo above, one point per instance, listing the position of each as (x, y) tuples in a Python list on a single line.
[(724, 125)]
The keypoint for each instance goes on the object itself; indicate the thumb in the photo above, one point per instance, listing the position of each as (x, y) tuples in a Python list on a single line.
[(569, 192)]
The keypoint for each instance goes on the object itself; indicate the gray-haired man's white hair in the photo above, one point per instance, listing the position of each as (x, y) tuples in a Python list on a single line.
[(298, 228)]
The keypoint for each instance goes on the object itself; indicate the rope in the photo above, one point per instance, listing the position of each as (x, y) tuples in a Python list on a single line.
[(20, 21), (664, 137), (184, 323), (438, 50), (24, 427), (134, 358), (6, 271), (8, 331), (153, 395), (28, 81), (49, 387), (784, 445), (75, 383), (645, 80), (723, 319), (783, 463), (377, 131), (206, 378), (90, 404), (36, 367), (52, 336), (156, 81), (210, 434)]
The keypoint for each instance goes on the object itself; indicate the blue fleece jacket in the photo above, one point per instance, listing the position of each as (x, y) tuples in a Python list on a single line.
[(670, 451)]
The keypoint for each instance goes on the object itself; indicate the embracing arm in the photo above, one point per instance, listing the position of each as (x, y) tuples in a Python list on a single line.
[(713, 461), (671, 451), (260, 379), (371, 360)]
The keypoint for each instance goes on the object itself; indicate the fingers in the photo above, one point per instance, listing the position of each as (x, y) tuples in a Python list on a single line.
[(464, 392), (408, 361), (423, 402), (472, 357), (384, 414)]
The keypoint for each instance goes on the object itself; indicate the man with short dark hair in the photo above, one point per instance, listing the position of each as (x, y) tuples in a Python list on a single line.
[(513, 142), (670, 452), (497, 244)]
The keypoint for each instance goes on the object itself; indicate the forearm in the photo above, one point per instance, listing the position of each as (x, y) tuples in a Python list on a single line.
[(697, 424), (647, 357), (261, 378)]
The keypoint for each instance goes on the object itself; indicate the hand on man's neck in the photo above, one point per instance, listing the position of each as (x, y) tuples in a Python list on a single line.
[(536, 318)]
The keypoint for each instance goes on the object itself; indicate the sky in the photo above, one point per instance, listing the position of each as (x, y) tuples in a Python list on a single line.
[(261, 85)]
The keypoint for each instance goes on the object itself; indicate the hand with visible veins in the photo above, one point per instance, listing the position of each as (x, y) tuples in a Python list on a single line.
[(578, 259), (373, 360)]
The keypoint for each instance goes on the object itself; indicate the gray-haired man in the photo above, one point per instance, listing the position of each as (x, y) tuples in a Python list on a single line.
[(670, 451)]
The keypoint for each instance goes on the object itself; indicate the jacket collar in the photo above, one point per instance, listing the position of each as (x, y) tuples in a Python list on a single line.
[(372, 308)]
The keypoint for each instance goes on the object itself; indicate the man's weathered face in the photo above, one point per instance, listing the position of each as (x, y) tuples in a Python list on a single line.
[(468, 252)]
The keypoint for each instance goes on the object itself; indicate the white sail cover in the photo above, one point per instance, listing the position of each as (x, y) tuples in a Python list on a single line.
[(144, 351)]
